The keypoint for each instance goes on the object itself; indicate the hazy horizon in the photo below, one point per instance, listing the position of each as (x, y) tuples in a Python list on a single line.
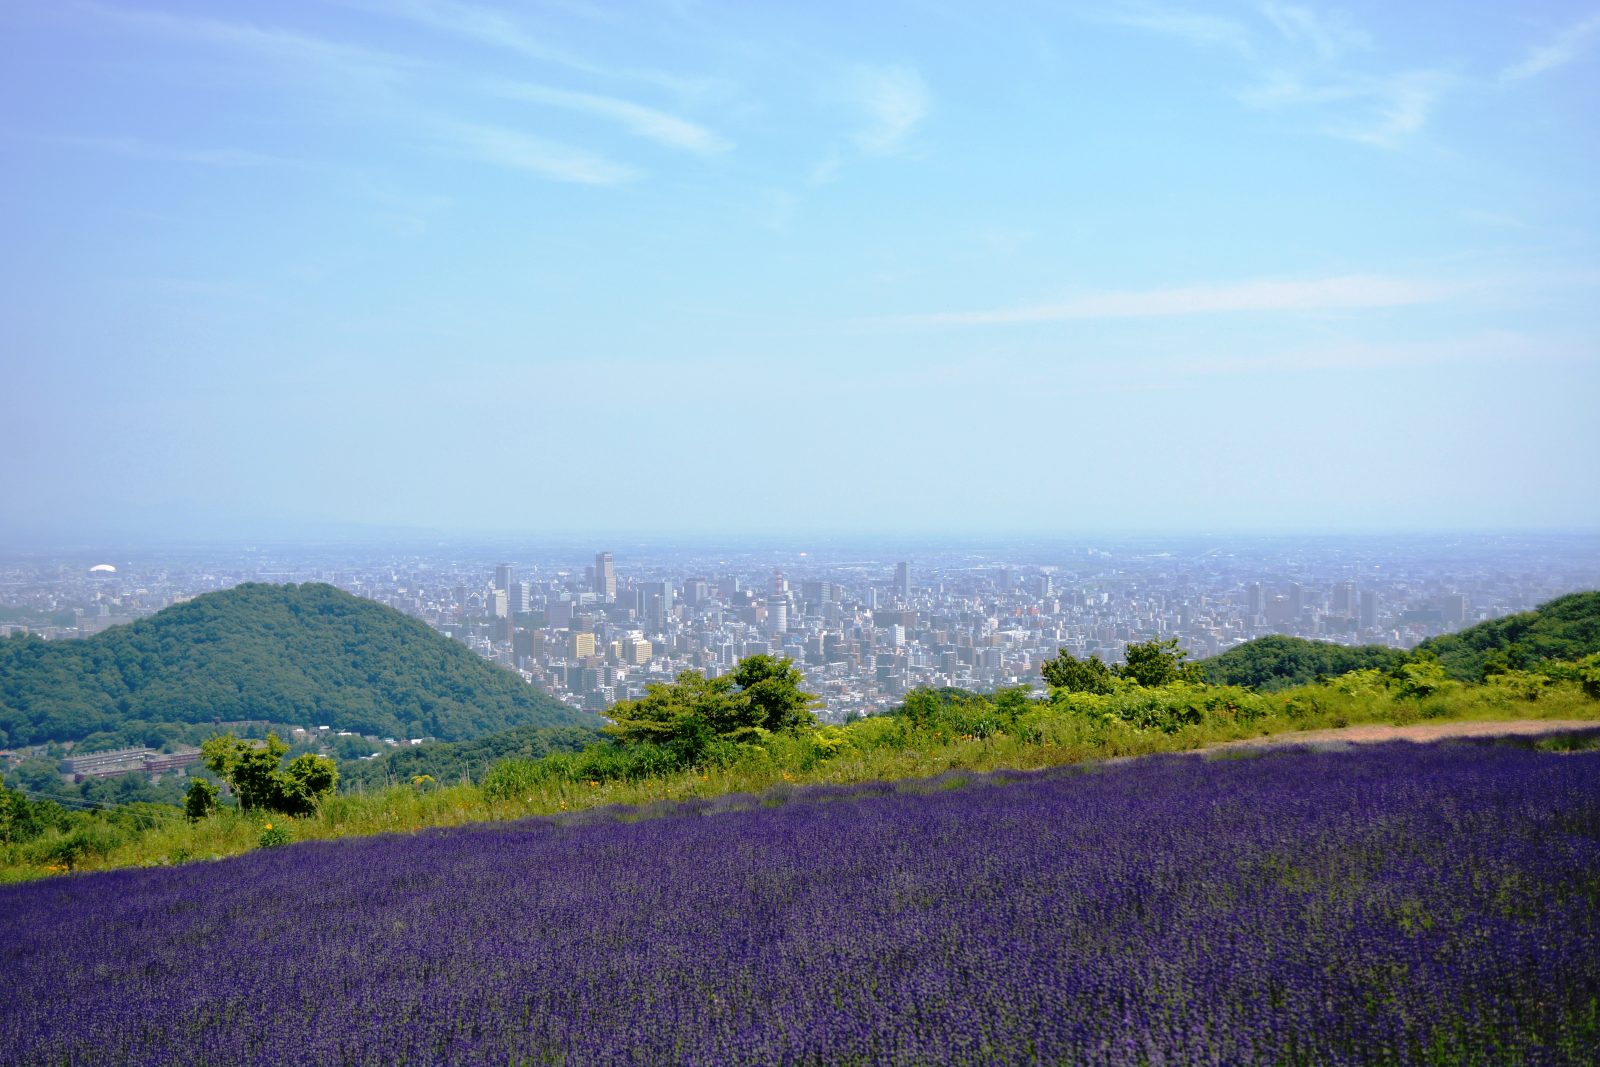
[(477, 270)]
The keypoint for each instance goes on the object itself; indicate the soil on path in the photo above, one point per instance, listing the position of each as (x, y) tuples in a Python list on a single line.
[(1435, 731)]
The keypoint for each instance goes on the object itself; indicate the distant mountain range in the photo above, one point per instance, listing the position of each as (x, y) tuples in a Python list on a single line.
[(308, 654), (1566, 628)]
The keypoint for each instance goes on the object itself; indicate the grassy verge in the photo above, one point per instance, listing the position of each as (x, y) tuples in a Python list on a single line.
[(1069, 729)]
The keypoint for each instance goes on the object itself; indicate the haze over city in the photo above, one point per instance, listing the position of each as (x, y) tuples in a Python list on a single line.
[(290, 270)]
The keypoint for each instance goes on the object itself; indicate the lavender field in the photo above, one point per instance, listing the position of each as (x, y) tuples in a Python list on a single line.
[(1398, 904)]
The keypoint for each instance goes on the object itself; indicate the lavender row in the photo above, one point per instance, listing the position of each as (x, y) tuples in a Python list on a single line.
[(1394, 904)]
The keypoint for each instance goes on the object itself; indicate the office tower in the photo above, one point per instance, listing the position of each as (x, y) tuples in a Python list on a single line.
[(605, 577), (1045, 586), (521, 598), (1344, 599), (1297, 598), (1369, 610), (1453, 609), (499, 605), (777, 616), (902, 580), (1254, 601), (502, 577)]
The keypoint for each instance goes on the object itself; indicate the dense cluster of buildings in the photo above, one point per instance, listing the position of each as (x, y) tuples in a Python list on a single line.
[(864, 628)]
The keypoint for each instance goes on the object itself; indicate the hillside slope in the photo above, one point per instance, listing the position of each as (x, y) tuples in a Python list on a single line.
[(285, 653), (1282, 662), (1565, 628)]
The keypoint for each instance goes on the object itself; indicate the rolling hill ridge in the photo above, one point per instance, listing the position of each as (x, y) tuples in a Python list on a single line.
[(285, 653), (1566, 628)]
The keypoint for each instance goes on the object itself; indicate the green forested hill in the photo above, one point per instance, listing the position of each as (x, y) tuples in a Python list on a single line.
[(1279, 662), (307, 654), (1566, 628)]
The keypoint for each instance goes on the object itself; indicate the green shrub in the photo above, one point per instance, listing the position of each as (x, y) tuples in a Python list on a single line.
[(274, 834)]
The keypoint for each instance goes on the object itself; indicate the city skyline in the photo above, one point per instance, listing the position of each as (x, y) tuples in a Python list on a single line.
[(592, 628)]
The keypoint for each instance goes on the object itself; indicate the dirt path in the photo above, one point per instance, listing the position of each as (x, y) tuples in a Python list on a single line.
[(1435, 731)]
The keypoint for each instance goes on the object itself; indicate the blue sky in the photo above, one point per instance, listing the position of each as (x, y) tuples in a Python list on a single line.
[(698, 267)]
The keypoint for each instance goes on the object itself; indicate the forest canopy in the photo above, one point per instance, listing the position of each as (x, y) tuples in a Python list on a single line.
[(297, 654)]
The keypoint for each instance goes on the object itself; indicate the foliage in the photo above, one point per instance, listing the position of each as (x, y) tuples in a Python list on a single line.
[(455, 761), (1078, 675), (937, 731), (1173, 911), (274, 834), (1155, 663), (254, 774), (1420, 677), (1567, 628), (771, 688), (201, 799), (1280, 662), (306, 654), (1564, 629), (693, 713)]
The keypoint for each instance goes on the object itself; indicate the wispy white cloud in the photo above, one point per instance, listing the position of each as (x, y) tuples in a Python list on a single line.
[(1570, 44), (1306, 65), (1499, 345), (893, 100), (520, 151), (500, 29), (1375, 110), (1347, 293), (646, 122), (1330, 36), (206, 157), (1197, 28), (268, 42)]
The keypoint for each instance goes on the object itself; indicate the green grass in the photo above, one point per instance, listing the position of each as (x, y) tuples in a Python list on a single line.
[(1069, 730)]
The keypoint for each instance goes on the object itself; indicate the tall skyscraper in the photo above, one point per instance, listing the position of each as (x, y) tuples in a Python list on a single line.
[(605, 577), (902, 580), (502, 577), (1369, 610)]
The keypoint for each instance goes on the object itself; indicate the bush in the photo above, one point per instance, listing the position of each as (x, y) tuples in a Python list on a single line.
[(201, 799), (275, 834), (512, 778)]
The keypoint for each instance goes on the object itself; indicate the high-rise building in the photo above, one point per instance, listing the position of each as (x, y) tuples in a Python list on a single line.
[(777, 616), (1369, 610), (1344, 599), (902, 580), (1254, 600), (502, 577), (605, 577)]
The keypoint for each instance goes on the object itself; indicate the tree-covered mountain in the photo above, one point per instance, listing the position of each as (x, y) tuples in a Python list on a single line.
[(1281, 662), (1567, 628), (307, 654)]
